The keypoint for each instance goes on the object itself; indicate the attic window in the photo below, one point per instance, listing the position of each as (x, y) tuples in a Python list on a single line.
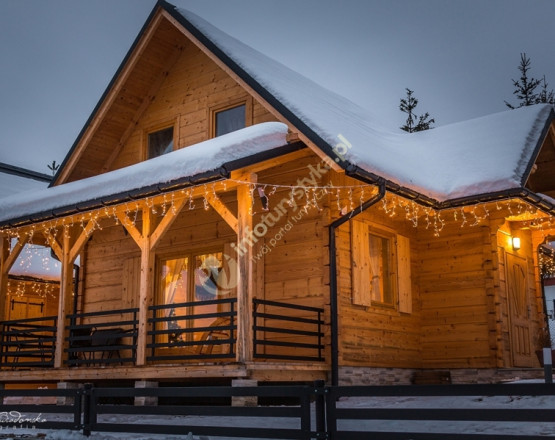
[(160, 142), (229, 119)]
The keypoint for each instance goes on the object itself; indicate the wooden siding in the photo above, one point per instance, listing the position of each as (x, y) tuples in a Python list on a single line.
[(376, 336), (455, 307), (193, 87)]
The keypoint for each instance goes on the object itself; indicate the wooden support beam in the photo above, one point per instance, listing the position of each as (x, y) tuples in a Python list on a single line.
[(130, 227), (53, 243), (64, 301), (81, 240), (146, 285), (223, 210), (4, 253), (166, 222), (13, 254), (244, 272)]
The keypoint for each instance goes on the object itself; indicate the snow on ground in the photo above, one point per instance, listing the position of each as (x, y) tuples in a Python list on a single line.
[(476, 402)]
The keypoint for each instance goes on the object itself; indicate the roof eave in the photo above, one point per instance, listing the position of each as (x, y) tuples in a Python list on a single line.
[(222, 172)]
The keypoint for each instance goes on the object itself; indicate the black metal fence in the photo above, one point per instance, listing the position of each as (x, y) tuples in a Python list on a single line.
[(28, 342), (288, 331), (193, 330), (102, 338), (310, 412)]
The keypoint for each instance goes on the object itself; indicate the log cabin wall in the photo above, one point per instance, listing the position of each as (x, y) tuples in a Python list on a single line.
[(376, 335), (454, 277), (194, 87)]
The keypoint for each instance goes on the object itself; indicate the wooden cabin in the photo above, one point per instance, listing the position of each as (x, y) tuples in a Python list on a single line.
[(233, 220)]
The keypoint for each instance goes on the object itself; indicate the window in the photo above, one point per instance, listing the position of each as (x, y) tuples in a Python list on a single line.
[(382, 269), (381, 273), (230, 119), (160, 142), (189, 279)]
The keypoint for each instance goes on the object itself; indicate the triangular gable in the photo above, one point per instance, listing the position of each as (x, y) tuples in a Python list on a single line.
[(465, 160)]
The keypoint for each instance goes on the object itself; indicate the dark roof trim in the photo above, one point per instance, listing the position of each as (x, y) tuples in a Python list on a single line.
[(24, 172), (104, 95), (537, 149), (152, 190)]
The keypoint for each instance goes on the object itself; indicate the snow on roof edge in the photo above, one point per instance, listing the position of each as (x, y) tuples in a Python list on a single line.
[(190, 161)]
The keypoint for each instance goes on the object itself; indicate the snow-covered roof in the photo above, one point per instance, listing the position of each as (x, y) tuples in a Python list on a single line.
[(483, 155), (210, 156)]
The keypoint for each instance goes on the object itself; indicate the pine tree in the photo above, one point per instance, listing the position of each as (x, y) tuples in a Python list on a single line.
[(525, 87), (414, 123), (545, 96)]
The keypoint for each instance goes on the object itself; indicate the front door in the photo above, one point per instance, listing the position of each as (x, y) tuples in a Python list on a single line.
[(519, 311)]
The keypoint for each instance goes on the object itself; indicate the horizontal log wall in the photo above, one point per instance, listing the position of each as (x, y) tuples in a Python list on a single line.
[(455, 304), (375, 336), (193, 87)]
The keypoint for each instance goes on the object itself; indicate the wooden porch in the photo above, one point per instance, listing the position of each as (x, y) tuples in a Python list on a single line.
[(288, 344)]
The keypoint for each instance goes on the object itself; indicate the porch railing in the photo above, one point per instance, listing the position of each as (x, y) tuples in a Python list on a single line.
[(178, 332), (288, 331), (101, 338), (28, 342)]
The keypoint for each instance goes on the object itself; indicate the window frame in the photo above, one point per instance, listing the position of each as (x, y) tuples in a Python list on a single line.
[(392, 274), (400, 270), (155, 128), (214, 110)]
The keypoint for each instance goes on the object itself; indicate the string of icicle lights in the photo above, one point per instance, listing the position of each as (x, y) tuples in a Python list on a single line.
[(266, 196)]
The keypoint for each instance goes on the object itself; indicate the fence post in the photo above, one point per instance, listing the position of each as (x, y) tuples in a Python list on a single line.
[(320, 408), (548, 365), (331, 420), (87, 406)]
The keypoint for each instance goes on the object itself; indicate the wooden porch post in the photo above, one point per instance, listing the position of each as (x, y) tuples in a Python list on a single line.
[(64, 302), (146, 289), (244, 272), (4, 252)]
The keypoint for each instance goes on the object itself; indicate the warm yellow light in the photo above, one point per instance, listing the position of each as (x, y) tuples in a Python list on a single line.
[(516, 243)]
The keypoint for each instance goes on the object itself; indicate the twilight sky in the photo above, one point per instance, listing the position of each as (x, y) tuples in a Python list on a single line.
[(58, 56)]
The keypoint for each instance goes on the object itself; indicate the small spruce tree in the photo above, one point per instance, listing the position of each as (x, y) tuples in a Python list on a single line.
[(545, 96), (525, 86), (414, 123)]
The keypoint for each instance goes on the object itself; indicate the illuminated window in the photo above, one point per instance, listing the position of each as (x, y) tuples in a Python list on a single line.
[(160, 142), (382, 269), (189, 279)]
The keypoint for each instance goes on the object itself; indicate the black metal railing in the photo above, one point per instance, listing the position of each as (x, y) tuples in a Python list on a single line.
[(280, 335), (178, 332), (102, 337), (28, 342)]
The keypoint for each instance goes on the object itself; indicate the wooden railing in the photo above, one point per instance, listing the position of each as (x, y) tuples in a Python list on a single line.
[(101, 339), (178, 332), (28, 342), (288, 331)]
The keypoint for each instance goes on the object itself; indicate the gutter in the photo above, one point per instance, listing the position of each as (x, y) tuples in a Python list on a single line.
[(155, 189), (334, 312), (514, 193)]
